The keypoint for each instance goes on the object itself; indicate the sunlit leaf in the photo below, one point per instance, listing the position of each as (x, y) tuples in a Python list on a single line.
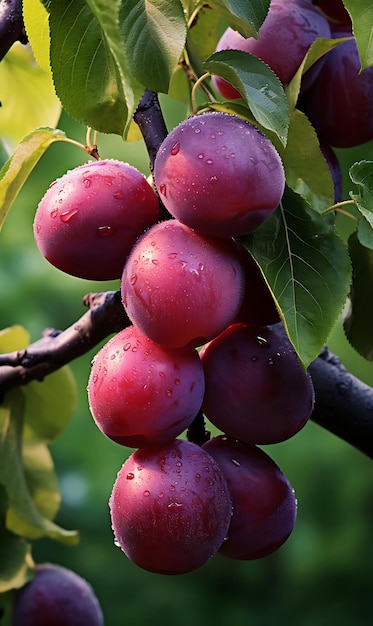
[(91, 72), (361, 12), (36, 20), (27, 96), (154, 33), (49, 405), (23, 516), (15, 553), (19, 166), (308, 270), (13, 338), (258, 85)]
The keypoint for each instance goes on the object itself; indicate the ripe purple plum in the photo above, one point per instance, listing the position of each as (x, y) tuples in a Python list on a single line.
[(56, 596), (291, 26), (334, 11), (264, 503), (219, 174), (180, 287), (340, 103), (258, 305), (89, 219), (141, 394), (256, 389), (170, 507)]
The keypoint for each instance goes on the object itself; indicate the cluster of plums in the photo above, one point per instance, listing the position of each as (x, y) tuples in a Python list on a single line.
[(205, 339)]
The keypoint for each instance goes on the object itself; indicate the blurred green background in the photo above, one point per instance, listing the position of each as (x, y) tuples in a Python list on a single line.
[(323, 575)]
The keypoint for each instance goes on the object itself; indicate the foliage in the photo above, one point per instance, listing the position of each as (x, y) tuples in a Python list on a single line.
[(101, 58)]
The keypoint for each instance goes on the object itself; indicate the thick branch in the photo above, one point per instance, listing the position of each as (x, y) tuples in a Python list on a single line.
[(11, 25), (343, 403), (106, 315)]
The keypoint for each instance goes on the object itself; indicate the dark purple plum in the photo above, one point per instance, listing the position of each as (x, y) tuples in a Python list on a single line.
[(219, 174), (56, 596), (141, 394), (89, 219), (256, 389), (180, 287), (264, 503), (170, 508)]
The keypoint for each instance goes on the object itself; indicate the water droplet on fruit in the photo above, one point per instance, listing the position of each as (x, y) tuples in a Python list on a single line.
[(95, 378), (197, 131), (254, 358), (163, 190), (174, 505), (161, 494), (200, 156), (130, 476), (66, 216), (270, 361), (177, 381), (118, 195), (87, 182), (116, 542), (54, 213), (172, 255), (168, 393), (133, 279), (155, 261), (197, 478), (178, 463), (209, 161), (262, 342), (105, 231), (172, 487), (162, 374), (236, 463), (126, 347), (146, 493), (175, 149)]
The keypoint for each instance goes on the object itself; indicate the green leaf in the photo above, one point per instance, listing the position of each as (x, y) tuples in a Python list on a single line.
[(361, 12), (308, 270), (13, 338), (361, 173), (49, 405), (306, 170), (36, 20), (245, 16), (19, 166), (358, 316), (15, 553), (90, 69), (316, 51), (204, 33), (25, 516), (154, 33), (258, 85), (27, 96)]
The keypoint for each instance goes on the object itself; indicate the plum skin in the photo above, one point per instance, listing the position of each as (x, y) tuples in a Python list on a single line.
[(170, 508), (141, 394), (89, 219), (56, 596), (256, 389), (264, 502), (219, 174), (182, 288), (285, 36)]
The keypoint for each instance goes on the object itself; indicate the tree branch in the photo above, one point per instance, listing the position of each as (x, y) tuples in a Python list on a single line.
[(106, 315), (12, 28), (343, 403)]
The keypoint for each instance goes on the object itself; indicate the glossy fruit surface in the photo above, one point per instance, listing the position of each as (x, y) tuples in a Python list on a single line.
[(180, 287), (89, 219), (170, 508), (284, 38), (218, 174), (141, 394), (264, 504), (56, 596), (256, 389), (340, 103)]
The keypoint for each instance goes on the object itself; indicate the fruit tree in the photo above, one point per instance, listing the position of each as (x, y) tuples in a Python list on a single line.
[(213, 271)]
